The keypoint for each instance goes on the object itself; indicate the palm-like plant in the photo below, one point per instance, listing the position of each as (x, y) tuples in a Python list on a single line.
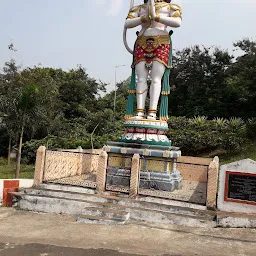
[(236, 123), (220, 122), (198, 120), (28, 109), (20, 108)]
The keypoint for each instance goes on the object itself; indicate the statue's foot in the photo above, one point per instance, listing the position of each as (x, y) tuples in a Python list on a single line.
[(151, 116), (139, 116)]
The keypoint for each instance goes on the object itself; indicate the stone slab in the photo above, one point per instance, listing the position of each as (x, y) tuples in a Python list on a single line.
[(236, 220), (143, 152), (142, 146), (243, 166), (191, 192), (194, 160)]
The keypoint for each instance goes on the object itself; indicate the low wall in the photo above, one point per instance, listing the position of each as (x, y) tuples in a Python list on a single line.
[(53, 165), (205, 172), (13, 184)]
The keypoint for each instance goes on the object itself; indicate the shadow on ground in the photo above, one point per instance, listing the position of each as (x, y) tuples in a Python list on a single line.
[(50, 250)]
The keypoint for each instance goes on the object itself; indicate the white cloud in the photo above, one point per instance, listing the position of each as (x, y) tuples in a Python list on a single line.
[(115, 7)]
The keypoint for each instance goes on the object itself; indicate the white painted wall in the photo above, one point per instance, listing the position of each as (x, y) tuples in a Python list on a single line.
[(1, 190), (246, 166), (24, 183)]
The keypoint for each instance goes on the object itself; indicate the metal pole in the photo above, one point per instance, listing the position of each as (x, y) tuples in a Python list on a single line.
[(115, 95), (114, 110)]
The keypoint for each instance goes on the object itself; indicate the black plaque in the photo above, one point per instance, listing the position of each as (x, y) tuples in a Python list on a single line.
[(241, 187)]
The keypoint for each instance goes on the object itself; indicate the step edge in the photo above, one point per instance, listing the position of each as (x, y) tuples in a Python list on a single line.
[(130, 200), (103, 218), (124, 207)]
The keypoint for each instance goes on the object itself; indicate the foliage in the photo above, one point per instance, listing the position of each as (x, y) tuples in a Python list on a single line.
[(198, 135), (247, 152), (210, 82), (198, 82), (213, 93), (8, 172), (70, 141), (251, 128)]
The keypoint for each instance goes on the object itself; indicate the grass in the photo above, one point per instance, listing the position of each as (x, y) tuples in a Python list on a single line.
[(248, 152), (8, 172)]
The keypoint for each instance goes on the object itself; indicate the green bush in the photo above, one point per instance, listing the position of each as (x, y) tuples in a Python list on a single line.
[(251, 128), (198, 135), (53, 142)]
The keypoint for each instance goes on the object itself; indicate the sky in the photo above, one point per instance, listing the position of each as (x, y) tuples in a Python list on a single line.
[(67, 33)]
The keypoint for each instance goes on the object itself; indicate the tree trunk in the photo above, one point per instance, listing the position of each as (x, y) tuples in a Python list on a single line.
[(17, 174), (9, 150)]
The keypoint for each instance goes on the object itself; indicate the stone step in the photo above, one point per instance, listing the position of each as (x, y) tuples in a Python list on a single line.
[(100, 220), (118, 195), (51, 204), (236, 220), (160, 217), (125, 202), (67, 188), (105, 212)]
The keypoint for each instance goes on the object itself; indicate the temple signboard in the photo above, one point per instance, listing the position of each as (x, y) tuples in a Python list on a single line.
[(240, 187), (237, 187)]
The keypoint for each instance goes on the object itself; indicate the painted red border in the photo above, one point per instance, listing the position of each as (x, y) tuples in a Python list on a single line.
[(9, 187), (226, 198)]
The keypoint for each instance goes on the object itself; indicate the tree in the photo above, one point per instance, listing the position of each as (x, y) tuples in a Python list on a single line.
[(28, 108), (8, 90), (241, 81), (78, 93), (198, 82), (107, 102), (20, 110)]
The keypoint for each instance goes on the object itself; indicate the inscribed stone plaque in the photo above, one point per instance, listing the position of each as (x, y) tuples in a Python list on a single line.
[(240, 187)]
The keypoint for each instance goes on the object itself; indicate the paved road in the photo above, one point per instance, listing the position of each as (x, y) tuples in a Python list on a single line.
[(33, 234), (50, 250)]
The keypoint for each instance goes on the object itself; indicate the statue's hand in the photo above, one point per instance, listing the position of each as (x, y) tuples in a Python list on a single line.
[(144, 19), (153, 9)]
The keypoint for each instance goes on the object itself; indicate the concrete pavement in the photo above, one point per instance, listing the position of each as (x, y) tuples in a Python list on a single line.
[(50, 250), (49, 235)]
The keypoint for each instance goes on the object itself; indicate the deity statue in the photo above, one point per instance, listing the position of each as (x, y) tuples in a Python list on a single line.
[(151, 56), (145, 136)]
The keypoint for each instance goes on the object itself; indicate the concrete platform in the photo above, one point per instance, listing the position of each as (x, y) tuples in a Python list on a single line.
[(27, 233), (81, 201), (118, 208)]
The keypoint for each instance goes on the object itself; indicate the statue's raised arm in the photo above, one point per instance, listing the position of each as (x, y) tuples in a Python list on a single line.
[(173, 17), (136, 17)]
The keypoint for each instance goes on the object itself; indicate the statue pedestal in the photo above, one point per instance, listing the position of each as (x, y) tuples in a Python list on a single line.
[(150, 132), (157, 168)]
